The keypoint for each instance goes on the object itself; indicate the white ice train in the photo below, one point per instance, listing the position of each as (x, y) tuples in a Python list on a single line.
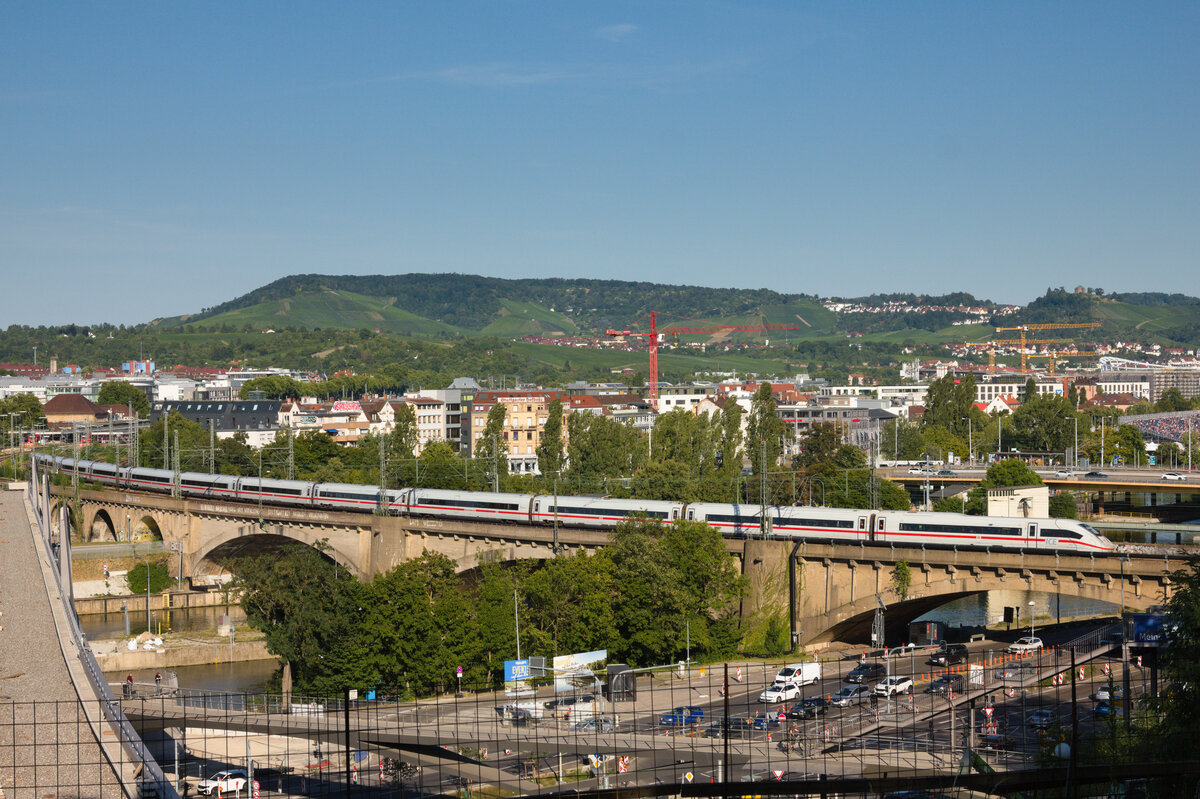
[(739, 521)]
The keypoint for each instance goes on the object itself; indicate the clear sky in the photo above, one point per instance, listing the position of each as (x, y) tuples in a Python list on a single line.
[(158, 158)]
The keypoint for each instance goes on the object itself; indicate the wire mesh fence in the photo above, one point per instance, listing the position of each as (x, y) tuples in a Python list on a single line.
[(852, 727)]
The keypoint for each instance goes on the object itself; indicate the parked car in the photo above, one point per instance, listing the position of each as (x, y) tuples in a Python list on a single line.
[(1026, 644), (1103, 708), (896, 684), (682, 716), (597, 724), (807, 708), (1108, 693), (1173, 476), (946, 684), (851, 695), (729, 728), (223, 782), (1041, 718), (780, 692), (949, 655), (1095, 476), (866, 672)]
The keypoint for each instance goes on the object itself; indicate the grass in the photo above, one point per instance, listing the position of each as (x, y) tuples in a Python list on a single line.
[(527, 319)]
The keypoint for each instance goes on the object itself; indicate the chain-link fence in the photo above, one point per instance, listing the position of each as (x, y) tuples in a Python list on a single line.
[(862, 726)]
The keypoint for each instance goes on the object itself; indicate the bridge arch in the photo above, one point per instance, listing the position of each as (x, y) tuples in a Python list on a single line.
[(100, 527), (248, 540), (146, 529)]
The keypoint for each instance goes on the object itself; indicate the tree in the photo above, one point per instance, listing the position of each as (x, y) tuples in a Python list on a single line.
[(1010, 472), (159, 576), (550, 447), (403, 440), (764, 432), (1044, 423), (1171, 401), (901, 579), (949, 402), (28, 412), (817, 445), (731, 437), (118, 392), (1062, 505), (492, 446)]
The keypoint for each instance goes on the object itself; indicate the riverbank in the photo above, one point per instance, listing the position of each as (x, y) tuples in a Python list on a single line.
[(114, 655)]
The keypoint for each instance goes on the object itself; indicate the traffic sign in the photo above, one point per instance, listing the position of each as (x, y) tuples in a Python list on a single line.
[(460, 672), (778, 772), (687, 777), (987, 711), (254, 790)]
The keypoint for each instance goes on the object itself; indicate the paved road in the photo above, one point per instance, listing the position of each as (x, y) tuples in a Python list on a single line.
[(46, 747)]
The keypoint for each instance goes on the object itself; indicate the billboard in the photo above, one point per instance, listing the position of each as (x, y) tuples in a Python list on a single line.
[(516, 670), (572, 672), (346, 406)]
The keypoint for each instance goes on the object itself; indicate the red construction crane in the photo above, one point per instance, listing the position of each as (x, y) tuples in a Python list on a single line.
[(654, 333)]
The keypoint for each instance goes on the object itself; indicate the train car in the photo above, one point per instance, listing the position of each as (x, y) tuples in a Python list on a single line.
[(151, 479), (211, 486), (981, 532), (476, 505), (824, 524), (738, 521), (276, 492), (599, 511), (347, 496)]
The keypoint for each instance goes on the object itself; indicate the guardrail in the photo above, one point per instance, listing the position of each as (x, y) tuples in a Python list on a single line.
[(132, 744)]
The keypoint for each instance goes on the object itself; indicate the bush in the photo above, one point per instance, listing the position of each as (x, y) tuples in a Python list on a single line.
[(1062, 505), (160, 578)]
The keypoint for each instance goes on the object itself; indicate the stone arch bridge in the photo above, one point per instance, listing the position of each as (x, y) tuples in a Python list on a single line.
[(826, 591)]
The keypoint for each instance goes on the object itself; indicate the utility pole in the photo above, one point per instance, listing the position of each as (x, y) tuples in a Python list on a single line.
[(291, 454), (382, 473), (175, 484), (166, 440), (212, 446), (762, 486)]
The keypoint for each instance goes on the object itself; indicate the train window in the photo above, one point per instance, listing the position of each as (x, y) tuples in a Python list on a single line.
[(1065, 534), (881, 524), (862, 523), (844, 524), (462, 503), (922, 527)]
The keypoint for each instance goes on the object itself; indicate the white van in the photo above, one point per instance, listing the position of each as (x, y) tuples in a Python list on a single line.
[(799, 674)]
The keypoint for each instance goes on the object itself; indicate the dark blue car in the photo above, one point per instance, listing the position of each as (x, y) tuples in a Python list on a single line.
[(682, 716)]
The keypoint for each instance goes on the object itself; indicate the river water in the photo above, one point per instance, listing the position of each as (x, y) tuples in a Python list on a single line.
[(988, 608)]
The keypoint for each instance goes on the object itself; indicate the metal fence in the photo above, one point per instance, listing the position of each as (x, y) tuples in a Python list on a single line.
[(690, 730)]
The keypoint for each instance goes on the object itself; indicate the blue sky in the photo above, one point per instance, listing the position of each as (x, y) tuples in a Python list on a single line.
[(158, 158)]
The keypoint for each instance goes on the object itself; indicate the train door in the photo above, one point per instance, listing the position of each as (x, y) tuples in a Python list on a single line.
[(674, 514), (864, 528), (691, 514), (1031, 533), (880, 528)]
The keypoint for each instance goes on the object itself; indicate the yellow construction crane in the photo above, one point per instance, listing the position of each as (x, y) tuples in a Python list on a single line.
[(1021, 342), (1054, 355), (1047, 326)]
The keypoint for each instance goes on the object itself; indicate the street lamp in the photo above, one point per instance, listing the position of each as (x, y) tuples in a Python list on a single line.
[(146, 558), (970, 442), (1124, 560), (1031, 635)]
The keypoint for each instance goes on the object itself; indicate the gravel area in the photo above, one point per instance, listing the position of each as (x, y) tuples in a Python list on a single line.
[(47, 748)]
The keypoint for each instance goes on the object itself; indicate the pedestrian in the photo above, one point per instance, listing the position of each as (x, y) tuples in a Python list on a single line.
[(129, 685), (157, 681)]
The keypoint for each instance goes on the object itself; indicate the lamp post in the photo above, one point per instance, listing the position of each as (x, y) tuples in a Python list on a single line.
[(1031, 630), (146, 558), (1124, 560), (1075, 465)]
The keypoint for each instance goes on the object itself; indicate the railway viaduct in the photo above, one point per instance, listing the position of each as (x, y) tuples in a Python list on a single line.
[(825, 590)]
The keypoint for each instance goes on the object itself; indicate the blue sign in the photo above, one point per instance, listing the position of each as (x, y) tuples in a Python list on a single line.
[(1148, 628), (516, 670)]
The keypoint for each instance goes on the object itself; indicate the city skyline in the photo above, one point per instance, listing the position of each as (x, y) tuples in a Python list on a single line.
[(162, 159)]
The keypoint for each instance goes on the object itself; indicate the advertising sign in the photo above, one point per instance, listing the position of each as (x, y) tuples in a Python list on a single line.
[(346, 406), (306, 420), (572, 672), (516, 670)]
